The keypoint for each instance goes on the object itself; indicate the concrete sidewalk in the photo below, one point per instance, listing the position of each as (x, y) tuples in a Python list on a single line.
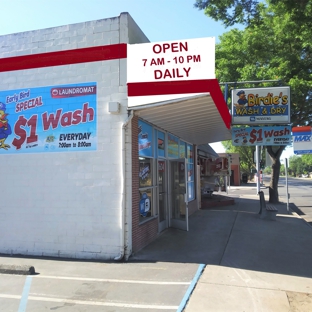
[(266, 266), (251, 264)]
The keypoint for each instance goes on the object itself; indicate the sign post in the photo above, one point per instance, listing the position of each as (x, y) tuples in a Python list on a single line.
[(258, 169), (286, 177)]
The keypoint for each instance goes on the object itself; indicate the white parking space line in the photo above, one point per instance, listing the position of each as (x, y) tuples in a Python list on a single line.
[(6, 296), (110, 280), (108, 304), (94, 303)]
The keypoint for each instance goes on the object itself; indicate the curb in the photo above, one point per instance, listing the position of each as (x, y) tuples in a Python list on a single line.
[(17, 269), (192, 286), (299, 217)]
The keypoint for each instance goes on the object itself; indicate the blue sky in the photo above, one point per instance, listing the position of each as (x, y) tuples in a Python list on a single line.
[(160, 20)]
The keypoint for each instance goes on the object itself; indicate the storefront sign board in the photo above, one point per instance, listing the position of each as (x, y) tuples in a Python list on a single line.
[(259, 106), (302, 141), (252, 136), (169, 61), (59, 118)]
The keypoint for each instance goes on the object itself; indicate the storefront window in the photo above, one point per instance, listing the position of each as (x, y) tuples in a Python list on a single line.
[(145, 139), (146, 202), (173, 146), (147, 146), (146, 185), (160, 144), (182, 149), (190, 173), (145, 172), (190, 154)]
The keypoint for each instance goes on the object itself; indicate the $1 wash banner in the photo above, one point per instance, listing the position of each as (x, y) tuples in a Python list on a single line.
[(252, 136), (48, 119)]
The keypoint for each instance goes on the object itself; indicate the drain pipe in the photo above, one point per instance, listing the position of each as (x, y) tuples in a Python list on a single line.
[(123, 178)]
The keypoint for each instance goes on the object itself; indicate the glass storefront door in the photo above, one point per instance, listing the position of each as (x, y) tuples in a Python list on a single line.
[(162, 195), (178, 194)]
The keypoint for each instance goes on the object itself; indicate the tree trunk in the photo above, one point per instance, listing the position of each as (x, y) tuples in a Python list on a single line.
[(275, 153), (273, 188)]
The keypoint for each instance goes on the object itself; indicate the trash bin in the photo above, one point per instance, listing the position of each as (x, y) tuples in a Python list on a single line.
[(245, 177)]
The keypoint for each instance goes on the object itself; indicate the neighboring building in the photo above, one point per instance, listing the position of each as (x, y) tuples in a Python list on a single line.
[(86, 174), (235, 167)]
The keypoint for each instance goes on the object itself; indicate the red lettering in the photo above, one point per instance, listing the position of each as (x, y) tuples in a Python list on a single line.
[(166, 46), (157, 74), (28, 104), (76, 117), (21, 132), (66, 119), (183, 47), (32, 123), (51, 121), (156, 48), (173, 47), (86, 110)]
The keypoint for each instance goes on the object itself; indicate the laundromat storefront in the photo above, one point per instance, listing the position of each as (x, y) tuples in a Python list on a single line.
[(97, 164), (168, 135), (178, 104)]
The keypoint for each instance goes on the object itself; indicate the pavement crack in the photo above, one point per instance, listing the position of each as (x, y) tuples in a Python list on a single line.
[(228, 239)]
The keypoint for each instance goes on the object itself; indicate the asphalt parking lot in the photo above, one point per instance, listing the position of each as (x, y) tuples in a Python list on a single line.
[(90, 286)]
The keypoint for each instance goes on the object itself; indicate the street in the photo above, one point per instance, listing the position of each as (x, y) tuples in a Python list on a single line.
[(300, 191)]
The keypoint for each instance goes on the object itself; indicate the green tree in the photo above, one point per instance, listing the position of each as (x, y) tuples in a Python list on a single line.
[(282, 169), (230, 11), (296, 165), (275, 45), (247, 12), (267, 170), (307, 161)]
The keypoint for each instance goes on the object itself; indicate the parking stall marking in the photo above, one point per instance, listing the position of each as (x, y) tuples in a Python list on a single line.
[(31, 293), (86, 302), (107, 280), (28, 296)]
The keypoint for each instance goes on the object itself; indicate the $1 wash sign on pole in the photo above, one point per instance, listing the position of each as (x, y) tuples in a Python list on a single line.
[(252, 136)]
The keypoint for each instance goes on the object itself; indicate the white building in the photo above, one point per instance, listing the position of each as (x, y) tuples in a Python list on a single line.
[(86, 174)]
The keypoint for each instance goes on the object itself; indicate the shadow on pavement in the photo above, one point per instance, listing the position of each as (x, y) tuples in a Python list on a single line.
[(235, 236), (297, 210)]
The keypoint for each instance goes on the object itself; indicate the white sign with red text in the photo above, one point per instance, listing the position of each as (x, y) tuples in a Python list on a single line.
[(179, 60)]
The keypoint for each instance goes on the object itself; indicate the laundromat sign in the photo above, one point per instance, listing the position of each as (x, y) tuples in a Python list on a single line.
[(188, 59), (261, 106), (57, 118)]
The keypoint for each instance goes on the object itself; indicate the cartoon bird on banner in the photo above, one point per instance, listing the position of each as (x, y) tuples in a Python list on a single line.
[(242, 101), (5, 128)]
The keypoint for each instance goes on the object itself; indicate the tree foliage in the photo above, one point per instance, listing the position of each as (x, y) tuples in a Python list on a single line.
[(231, 11), (246, 12), (275, 45), (300, 165)]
